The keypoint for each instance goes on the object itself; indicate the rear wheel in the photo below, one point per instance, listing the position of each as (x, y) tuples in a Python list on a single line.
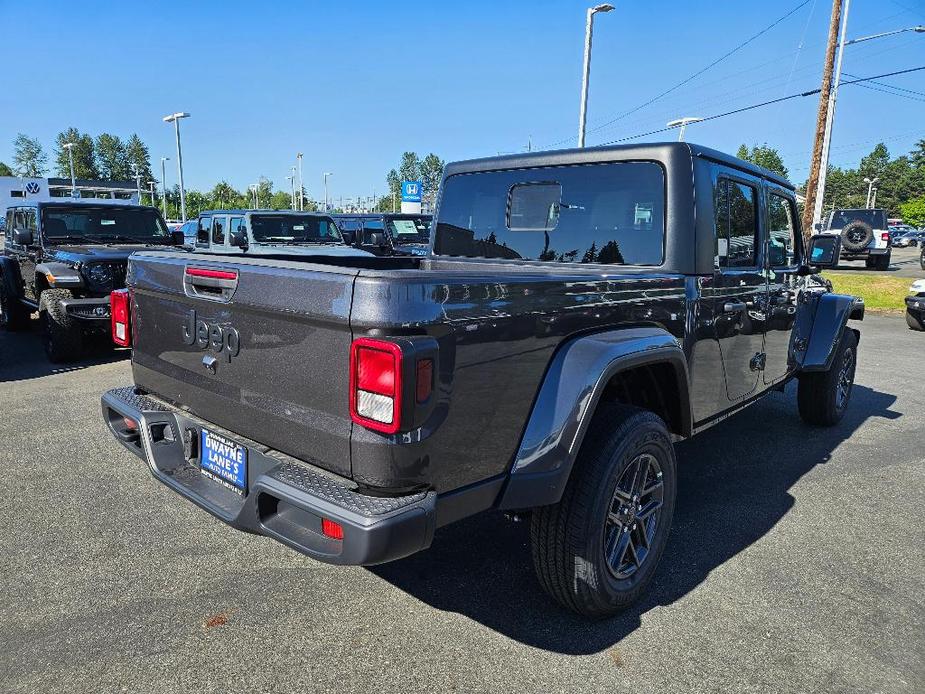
[(13, 315), (823, 396), (62, 335), (883, 261), (914, 322), (596, 551)]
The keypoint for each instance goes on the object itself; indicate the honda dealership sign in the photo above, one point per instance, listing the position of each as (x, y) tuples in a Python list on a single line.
[(411, 197)]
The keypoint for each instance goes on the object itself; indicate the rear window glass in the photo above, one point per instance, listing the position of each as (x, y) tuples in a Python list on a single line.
[(842, 218), (594, 213)]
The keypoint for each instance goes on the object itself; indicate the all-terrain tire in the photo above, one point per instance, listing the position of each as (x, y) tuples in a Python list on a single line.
[(823, 396), (914, 322), (62, 335), (568, 538), (856, 235), (13, 315)]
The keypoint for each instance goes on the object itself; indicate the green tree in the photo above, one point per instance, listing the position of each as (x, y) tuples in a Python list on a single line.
[(137, 156), (84, 157), (5, 170), (111, 158), (913, 212), (431, 170), (29, 159), (410, 168), (764, 155), (281, 200), (223, 196)]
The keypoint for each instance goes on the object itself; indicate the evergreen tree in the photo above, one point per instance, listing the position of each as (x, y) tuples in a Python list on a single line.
[(29, 159), (82, 151)]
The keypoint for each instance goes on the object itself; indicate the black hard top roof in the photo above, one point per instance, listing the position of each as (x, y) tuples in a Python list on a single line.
[(82, 203), (265, 211), (377, 215), (657, 151)]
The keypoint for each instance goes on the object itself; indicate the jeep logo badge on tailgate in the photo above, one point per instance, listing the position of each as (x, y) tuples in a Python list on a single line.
[(222, 340)]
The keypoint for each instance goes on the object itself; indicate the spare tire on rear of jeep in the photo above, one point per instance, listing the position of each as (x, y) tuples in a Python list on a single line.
[(856, 235)]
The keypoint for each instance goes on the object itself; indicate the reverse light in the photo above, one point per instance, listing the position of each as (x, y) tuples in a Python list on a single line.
[(119, 316), (376, 384), (332, 529)]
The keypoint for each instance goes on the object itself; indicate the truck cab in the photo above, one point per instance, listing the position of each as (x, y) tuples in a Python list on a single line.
[(270, 232), (387, 233)]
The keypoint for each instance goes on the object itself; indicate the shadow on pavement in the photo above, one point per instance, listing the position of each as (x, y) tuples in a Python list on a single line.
[(22, 356), (734, 482)]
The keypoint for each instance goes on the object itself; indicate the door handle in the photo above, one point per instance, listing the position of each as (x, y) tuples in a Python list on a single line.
[(733, 307)]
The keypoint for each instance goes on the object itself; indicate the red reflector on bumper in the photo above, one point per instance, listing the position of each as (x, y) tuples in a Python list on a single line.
[(332, 529)]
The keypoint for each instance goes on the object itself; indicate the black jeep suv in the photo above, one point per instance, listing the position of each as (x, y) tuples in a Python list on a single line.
[(63, 259)]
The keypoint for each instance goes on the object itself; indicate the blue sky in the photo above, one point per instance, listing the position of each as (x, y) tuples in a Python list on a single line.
[(353, 85)]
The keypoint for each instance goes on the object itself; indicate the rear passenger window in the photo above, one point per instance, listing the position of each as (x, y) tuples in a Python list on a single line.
[(781, 229), (218, 230), (235, 224), (735, 206), (611, 214), (205, 228)]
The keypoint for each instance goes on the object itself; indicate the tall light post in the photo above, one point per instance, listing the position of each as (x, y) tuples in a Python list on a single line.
[(255, 187), (151, 185), (833, 97), (871, 182), (137, 182), (291, 180), (69, 146), (586, 70), (164, 160), (298, 157), (682, 123), (326, 190), (175, 119)]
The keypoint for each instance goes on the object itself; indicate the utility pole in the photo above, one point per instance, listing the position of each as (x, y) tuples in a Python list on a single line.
[(809, 206)]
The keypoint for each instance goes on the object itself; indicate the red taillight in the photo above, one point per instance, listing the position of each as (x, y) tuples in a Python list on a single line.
[(332, 529), (884, 236), (212, 274), (375, 384), (119, 310)]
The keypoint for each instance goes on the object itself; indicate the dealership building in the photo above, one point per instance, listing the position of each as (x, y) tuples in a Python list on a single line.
[(19, 189)]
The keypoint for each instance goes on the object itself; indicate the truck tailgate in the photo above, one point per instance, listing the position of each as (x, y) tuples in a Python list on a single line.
[(259, 347)]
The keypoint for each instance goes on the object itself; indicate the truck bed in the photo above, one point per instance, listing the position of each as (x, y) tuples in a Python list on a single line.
[(496, 326)]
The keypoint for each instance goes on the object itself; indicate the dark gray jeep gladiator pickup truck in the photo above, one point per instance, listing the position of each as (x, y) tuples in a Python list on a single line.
[(581, 311)]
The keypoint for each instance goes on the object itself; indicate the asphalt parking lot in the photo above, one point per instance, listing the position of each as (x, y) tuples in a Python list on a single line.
[(904, 262), (795, 564)]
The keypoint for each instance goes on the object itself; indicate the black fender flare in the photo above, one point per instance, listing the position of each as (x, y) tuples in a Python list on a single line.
[(566, 401), (9, 275), (830, 320), (60, 275)]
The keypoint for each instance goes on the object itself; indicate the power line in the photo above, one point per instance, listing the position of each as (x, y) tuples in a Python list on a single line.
[(702, 70), (891, 86), (768, 103)]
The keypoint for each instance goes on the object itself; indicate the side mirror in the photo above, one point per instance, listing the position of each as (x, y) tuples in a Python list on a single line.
[(238, 239), (376, 239), (348, 237), (823, 250), (22, 237), (177, 238)]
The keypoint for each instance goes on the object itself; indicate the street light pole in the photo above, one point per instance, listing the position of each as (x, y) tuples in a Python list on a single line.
[(291, 180), (298, 156), (175, 119), (870, 186), (682, 123), (586, 69), (326, 190), (151, 185), (137, 182), (164, 185), (70, 157)]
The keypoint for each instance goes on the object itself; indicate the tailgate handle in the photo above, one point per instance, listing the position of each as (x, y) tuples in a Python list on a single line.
[(210, 283)]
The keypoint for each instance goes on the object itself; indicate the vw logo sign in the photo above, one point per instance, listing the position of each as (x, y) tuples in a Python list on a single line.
[(32, 188)]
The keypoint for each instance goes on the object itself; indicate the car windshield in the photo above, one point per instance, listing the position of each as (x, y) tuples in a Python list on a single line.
[(842, 218), (103, 224), (409, 229), (291, 228)]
